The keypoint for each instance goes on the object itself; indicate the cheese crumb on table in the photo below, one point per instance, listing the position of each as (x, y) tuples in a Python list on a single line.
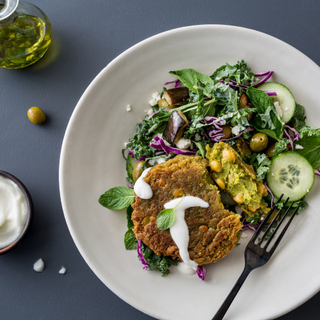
[(38, 266), (62, 270), (129, 108)]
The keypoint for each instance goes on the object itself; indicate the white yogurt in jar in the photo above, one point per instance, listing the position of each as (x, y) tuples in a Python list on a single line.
[(13, 211)]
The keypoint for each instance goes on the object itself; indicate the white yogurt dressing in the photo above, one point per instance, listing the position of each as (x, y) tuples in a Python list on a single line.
[(141, 188), (179, 230), (13, 211)]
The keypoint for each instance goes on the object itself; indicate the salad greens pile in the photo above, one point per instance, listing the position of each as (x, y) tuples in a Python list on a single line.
[(212, 105)]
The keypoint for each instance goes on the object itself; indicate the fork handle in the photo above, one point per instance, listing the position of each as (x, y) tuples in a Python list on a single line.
[(226, 304)]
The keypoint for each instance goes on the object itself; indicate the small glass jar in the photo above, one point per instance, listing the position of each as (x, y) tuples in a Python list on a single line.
[(25, 34)]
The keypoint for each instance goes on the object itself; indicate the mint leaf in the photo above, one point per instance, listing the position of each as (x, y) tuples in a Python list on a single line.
[(130, 241), (165, 219), (191, 78), (117, 198), (310, 141), (267, 119), (299, 117)]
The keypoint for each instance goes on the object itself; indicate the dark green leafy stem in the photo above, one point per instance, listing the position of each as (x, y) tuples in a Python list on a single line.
[(155, 261), (117, 198), (130, 240)]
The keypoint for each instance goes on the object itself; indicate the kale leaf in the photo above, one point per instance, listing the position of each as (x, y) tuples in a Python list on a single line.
[(155, 261), (280, 146), (240, 72)]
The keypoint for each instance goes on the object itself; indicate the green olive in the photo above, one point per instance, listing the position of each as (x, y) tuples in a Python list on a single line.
[(259, 142), (163, 103), (137, 170), (36, 115), (270, 151), (226, 130)]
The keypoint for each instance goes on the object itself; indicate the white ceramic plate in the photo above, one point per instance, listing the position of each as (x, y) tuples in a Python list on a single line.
[(91, 163)]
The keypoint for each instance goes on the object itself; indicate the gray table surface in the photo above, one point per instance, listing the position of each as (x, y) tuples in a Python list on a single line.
[(87, 35)]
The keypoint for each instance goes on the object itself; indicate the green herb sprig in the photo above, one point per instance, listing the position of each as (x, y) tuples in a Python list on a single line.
[(166, 217)]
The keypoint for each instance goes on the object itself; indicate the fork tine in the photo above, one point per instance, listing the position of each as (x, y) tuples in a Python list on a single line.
[(255, 235), (283, 231), (274, 220), (278, 226)]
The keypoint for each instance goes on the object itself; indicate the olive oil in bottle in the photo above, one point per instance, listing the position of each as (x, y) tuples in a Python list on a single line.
[(24, 36)]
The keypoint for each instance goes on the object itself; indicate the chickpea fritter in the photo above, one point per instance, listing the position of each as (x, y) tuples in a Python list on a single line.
[(213, 231)]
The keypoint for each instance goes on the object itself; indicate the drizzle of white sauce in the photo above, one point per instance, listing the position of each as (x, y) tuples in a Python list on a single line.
[(141, 188), (179, 230), (183, 268)]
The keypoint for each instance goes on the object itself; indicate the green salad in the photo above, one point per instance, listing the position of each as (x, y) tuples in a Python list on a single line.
[(257, 117)]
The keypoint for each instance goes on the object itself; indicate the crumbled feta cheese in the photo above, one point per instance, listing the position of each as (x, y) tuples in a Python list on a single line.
[(298, 146), (125, 144), (278, 108), (150, 111), (153, 162), (38, 266), (197, 137), (155, 99), (184, 143), (243, 234), (235, 130), (63, 270), (129, 108)]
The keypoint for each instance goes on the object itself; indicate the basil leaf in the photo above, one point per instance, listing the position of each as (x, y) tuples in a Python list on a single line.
[(130, 241), (165, 219), (117, 198)]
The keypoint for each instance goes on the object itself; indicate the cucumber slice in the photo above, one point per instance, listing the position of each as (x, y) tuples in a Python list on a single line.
[(290, 174), (131, 162), (284, 97)]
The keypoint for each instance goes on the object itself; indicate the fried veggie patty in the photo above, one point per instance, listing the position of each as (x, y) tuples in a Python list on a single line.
[(213, 231)]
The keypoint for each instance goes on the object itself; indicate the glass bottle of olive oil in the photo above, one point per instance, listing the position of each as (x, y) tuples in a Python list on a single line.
[(25, 34)]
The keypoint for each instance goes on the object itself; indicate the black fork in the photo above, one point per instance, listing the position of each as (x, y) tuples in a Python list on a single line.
[(257, 255)]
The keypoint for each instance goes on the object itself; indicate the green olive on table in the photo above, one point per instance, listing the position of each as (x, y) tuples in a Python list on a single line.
[(259, 142), (270, 151), (137, 170), (226, 130), (36, 115)]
